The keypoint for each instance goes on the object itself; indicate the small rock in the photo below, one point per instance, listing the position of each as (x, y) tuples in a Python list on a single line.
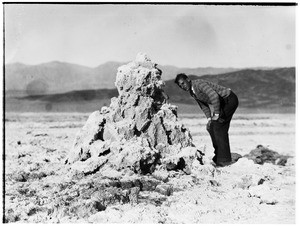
[(250, 180), (235, 157), (265, 193), (134, 195), (110, 196), (214, 183), (126, 184), (262, 155), (21, 176), (281, 161), (39, 175), (207, 170), (41, 135), (149, 184), (164, 189), (162, 175), (32, 211), (21, 155), (85, 209), (11, 216)]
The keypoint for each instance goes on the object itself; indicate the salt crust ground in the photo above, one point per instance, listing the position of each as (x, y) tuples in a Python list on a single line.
[(241, 193)]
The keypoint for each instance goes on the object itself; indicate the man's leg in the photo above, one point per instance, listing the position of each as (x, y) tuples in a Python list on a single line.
[(222, 141), (214, 142), (220, 129)]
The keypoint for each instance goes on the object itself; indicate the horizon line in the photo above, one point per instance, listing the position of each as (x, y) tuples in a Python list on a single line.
[(126, 62)]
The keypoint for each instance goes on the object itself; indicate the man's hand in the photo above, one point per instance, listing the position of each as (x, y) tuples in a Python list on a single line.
[(208, 124), (215, 117)]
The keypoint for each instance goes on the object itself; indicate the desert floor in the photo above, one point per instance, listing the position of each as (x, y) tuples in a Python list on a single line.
[(36, 145)]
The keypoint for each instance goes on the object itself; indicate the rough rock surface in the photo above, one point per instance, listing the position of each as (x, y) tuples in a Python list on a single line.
[(139, 131)]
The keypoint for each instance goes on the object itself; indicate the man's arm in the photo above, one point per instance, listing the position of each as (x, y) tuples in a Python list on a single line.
[(212, 95), (205, 108)]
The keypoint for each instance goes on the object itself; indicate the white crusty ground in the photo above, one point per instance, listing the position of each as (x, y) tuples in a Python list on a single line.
[(224, 195)]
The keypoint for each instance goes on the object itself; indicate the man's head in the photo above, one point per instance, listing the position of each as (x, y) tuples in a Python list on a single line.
[(183, 81)]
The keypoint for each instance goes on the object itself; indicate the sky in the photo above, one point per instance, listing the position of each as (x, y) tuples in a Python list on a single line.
[(179, 35)]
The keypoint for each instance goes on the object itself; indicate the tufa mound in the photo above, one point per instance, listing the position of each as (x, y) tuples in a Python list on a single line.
[(138, 132)]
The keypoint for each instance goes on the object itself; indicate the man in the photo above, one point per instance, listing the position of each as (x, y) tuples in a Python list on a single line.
[(224, 103)]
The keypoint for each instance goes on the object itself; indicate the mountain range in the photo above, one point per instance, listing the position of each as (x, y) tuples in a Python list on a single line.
[(59, 77), (256, 89)]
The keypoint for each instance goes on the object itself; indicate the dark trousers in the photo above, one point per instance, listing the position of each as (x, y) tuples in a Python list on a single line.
[(219, 128)]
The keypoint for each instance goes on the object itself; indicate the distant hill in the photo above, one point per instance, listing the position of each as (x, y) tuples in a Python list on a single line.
[(263, 89), (255, 88), (59, 77)]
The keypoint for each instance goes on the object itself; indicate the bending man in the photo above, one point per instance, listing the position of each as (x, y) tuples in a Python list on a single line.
[(224, 103)]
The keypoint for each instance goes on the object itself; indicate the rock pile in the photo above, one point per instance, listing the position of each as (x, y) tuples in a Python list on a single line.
[(139, 131), (261, 155)]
